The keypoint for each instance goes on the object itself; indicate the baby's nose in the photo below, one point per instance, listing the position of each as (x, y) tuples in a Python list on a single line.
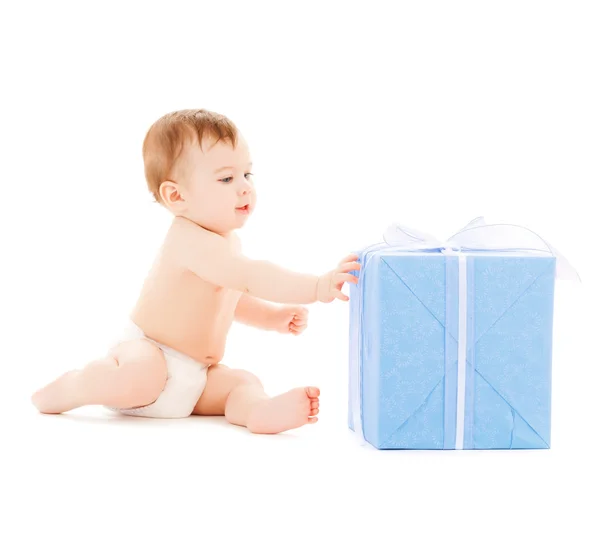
[(246, 188)]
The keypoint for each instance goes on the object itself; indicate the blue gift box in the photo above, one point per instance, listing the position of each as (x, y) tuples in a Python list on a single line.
[(451, 343)]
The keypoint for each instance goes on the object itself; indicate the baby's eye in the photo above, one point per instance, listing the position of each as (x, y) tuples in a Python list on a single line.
[(227, 180)]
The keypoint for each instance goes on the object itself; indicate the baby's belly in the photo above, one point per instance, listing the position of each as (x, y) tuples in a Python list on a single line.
[(206, 340), (197, 330)]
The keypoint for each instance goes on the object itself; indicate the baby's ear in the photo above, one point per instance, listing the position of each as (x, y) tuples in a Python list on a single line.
[(170, 194)]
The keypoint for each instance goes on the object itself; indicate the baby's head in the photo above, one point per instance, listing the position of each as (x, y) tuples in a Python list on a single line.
[(198, 165)]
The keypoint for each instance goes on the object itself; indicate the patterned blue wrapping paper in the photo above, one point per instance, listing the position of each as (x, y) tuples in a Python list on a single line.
[(407, 388)]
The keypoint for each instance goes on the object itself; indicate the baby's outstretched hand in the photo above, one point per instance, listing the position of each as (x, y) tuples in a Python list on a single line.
[(330, 284), (290, 319)]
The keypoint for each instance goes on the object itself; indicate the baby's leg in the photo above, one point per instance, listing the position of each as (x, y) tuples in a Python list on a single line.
[(133, 376), (239, 395)]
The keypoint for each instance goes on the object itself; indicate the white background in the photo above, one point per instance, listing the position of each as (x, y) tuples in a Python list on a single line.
[(357, 114)]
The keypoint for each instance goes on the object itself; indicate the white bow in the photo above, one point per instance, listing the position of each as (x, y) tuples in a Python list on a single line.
[(479, 236)]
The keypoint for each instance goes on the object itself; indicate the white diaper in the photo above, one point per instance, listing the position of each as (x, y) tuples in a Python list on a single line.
[(186, 380)]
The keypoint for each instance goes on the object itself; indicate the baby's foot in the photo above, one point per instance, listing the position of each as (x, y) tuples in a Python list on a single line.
[(60, 395), (284, 412)]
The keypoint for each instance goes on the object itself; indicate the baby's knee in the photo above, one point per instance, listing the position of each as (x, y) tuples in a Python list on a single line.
[(141, 372), (243, 377)]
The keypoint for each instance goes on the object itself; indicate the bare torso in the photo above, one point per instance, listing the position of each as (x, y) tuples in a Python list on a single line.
[(182, 311)]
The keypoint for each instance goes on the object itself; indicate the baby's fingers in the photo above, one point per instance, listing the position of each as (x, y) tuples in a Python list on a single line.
[(349, 267), (339, 295), (346, 277)]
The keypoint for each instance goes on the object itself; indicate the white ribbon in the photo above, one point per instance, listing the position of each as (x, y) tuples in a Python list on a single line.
[(462, 352)]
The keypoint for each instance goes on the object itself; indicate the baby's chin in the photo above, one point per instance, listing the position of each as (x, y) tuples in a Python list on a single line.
[(236, 221)]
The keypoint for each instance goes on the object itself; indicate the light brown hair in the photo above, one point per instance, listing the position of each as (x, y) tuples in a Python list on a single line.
[(166, 138)]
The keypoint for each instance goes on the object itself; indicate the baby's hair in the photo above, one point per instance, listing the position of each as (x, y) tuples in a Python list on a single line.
[(166, 138)]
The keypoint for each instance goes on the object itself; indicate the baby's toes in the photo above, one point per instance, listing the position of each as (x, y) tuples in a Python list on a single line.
[(314, 406), (313, 402), (313, 393)]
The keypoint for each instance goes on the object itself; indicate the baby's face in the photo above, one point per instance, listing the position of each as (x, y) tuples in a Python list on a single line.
[(218, 188)]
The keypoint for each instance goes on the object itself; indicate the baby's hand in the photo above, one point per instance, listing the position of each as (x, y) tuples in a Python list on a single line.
[(330, 284), (290, 318)]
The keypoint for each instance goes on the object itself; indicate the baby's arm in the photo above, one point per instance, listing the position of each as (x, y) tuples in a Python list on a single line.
[(255, 312), (211, 257)]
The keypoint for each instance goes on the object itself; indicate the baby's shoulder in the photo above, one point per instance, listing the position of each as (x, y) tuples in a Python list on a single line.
[(184, 230)]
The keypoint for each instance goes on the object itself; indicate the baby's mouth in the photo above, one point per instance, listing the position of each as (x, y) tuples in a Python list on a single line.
[(243, 209)]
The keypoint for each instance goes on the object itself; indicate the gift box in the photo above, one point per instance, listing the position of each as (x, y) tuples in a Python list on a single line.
[(451, 342)]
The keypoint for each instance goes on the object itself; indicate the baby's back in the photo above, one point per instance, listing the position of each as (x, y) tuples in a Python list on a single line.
[(181, 310)]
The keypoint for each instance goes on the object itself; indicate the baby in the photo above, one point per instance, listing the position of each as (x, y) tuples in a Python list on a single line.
[(167, 362)]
